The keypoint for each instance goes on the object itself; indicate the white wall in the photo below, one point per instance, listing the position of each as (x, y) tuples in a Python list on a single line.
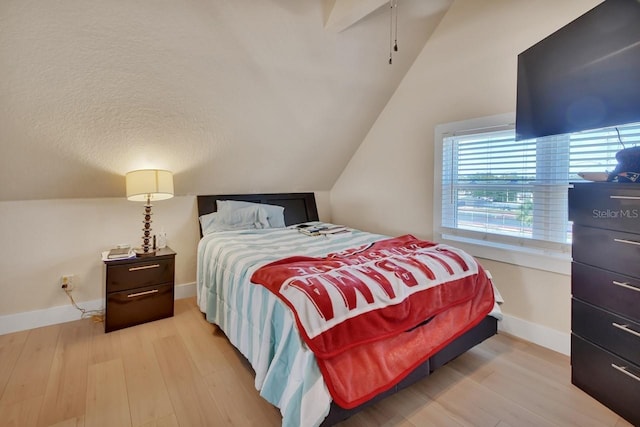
[(44, 239), (466, 70)]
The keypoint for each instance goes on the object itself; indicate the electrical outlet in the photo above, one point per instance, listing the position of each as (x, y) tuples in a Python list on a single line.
[(66, 282)]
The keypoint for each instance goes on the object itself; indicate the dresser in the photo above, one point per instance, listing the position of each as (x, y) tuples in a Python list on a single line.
[(139, 290), (605, 286)]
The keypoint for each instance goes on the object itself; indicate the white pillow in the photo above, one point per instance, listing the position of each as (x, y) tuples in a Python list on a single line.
[(251, 217), (275, 213), (254, 215), (208, 223)]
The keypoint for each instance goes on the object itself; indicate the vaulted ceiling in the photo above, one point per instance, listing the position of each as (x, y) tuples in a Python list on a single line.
[(233, 96)]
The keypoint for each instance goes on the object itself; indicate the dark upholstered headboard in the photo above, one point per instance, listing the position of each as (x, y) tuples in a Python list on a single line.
[(298, 207)]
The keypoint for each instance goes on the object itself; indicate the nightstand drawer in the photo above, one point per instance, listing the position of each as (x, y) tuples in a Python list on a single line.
[(609, 290), (613, 206), (610, 379), (133, 275), (611, 250), (132, 307), (617, 334)]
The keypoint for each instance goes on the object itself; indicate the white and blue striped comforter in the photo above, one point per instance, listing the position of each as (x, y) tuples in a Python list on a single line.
[(258, 323)]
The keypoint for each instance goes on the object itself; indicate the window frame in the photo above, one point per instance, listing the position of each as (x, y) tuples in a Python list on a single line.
[(553, 258)]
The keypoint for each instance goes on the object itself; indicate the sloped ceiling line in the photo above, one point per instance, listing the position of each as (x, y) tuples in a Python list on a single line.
[(346, 13)]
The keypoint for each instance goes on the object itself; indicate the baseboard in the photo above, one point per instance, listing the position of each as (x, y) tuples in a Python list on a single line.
[(67, 313), (529, 331), (186, 290), (535, 333)]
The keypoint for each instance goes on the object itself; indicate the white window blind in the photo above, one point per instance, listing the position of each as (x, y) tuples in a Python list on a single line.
[(497, 189)]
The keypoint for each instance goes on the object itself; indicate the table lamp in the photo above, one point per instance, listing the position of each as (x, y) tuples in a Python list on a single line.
[(146, 185)]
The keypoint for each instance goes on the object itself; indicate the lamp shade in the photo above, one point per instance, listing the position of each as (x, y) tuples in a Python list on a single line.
[(153, 183)]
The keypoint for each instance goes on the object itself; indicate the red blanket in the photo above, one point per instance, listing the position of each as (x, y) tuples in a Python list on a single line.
[(372, 314)]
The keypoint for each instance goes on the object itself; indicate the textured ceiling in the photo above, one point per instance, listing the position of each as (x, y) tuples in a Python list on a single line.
[(233, 96)]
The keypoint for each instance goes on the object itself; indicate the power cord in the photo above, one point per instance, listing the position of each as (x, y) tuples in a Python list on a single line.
[(96, 315)]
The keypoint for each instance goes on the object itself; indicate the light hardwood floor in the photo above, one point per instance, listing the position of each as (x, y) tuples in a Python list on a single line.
[(183, 372)]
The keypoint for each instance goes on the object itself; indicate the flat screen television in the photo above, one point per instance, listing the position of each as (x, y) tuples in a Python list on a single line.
[(584, 76)]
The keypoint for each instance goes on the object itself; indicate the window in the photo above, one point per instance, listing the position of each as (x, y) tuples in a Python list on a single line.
[(505, 198)]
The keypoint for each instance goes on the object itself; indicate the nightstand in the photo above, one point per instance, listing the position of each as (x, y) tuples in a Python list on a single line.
[(139, 289)]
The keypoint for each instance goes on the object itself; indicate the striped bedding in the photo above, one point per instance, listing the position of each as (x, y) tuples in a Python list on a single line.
[(287, 374), (257, 323)]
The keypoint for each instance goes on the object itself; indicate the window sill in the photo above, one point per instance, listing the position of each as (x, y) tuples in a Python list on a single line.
[(539, 259)]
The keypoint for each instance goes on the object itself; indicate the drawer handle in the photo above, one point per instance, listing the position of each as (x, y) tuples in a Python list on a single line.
[(626, 285), (629, 242), (144, 267), (623, 369), (139, 294), (625, 197), (626, 328)]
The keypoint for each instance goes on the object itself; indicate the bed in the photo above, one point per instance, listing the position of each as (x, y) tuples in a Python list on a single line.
[(262, 327)]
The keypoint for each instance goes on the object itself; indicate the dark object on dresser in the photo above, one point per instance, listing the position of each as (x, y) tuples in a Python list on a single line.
[(628, 168), (605, 283), (139, 289)]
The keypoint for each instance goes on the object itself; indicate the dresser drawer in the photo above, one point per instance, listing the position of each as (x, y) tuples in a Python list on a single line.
[(608, 378), (133, 275), (137, 306), (617, 334), (606, 289), (613, 206), (611, 250)]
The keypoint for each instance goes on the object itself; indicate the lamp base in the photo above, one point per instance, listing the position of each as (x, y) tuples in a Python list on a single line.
[(140, 252), (146, 248)]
